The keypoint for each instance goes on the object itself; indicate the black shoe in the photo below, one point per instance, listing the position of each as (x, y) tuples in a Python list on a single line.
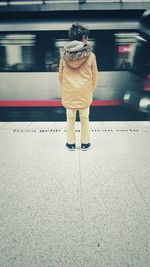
[(71, 147), (85, 147)]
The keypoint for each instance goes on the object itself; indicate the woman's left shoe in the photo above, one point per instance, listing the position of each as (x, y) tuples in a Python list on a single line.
[(85, 147)]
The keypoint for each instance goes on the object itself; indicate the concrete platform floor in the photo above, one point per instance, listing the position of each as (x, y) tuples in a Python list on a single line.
[(70, 209)]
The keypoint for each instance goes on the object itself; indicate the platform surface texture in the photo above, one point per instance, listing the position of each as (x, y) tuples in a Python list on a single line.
[(61, 208)]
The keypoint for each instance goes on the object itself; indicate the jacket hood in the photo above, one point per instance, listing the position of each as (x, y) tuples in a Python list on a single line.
[(76, 53)]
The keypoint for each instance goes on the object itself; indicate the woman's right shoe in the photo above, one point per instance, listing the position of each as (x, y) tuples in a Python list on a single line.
[(85, 147), (71, 147)]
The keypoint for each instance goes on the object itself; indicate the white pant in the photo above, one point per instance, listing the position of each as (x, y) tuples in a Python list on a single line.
[(84, 120)]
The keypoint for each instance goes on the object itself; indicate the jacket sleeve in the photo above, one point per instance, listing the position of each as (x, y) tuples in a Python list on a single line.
[(94, 72), (60, 72)]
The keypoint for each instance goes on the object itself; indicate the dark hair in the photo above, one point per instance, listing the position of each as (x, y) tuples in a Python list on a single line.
[(77, 31)]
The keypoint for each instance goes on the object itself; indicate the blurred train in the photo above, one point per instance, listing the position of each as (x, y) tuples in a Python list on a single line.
[(138, 94), (30, 53)]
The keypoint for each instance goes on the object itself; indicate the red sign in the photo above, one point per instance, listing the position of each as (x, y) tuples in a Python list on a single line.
[(124, 49)]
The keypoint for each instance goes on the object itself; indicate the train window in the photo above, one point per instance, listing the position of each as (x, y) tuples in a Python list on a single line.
[(40, 51), (103, 48), (124, 48), (52, 54), (17, 52), (141, 59)]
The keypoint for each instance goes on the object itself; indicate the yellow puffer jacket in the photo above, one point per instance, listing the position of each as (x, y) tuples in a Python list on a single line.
[(77, 75)]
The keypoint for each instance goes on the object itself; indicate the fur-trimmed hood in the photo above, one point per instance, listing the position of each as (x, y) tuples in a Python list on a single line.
[(76, 53)]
